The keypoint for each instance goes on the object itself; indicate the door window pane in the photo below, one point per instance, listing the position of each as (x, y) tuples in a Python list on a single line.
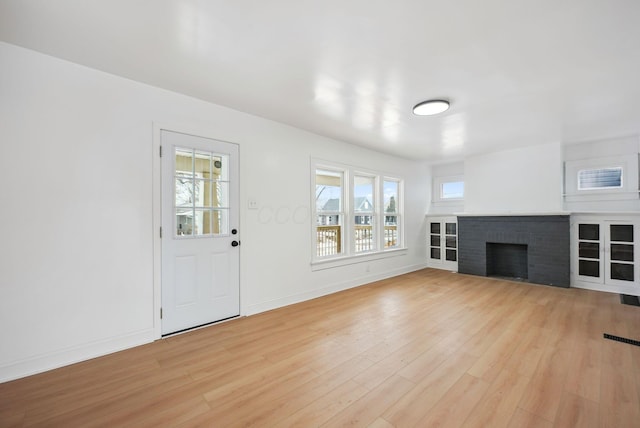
[(435, 253), (184, 160), (198, 189), (623, 272), (451, 255), (203, 167), (589, 268), (435, 240), (589, 250), (450, 228), (435, 227), (450, 241), (184, 190), (220, 194), (220, 222), (622, 252), (184, 222), (622, 232), (590, 232)]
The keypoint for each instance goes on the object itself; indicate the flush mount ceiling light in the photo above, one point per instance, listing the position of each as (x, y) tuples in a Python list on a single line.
[(431, 107)]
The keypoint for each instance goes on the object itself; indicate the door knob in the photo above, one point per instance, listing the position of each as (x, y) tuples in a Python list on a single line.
[(235, 243)]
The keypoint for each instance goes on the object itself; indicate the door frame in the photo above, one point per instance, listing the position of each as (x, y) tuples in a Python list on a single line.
[(156, 213)]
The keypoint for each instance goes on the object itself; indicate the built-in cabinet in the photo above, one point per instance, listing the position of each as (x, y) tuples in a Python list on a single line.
[(605, 252), (442, 243)]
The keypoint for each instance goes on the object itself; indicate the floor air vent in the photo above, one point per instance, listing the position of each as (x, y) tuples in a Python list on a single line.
[(622, 339), (629, 300)]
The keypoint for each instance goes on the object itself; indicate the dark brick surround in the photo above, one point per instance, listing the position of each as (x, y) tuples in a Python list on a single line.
[(546, 238)]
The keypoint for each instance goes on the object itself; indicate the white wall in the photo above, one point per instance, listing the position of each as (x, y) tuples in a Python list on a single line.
[(523, 180), (76, 254)]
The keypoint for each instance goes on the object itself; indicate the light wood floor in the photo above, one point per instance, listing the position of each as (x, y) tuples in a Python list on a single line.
[(426, 349)]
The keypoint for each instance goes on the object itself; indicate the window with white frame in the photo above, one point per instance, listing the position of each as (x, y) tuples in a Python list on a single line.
[(357, 212), (452, 190), (390, 194), (601, 179), (449, 189), (329, 209)]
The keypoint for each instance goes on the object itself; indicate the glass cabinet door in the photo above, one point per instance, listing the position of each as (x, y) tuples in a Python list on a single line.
[(442, 243), (589, 255), (435, 236), (451, 241), (621, 252)]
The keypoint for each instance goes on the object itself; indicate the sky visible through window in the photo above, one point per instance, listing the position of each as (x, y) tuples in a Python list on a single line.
[(453, 190)]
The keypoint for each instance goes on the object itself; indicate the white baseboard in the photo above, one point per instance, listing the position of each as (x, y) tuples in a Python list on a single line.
[(65, 357), (330, 289)]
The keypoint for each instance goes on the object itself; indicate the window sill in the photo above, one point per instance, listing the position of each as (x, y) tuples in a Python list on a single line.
[(360, 258)]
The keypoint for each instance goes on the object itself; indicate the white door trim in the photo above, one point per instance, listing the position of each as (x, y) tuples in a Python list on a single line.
[(156, 213)]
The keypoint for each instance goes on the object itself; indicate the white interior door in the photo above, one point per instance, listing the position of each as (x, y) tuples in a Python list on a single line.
[(200, 239)]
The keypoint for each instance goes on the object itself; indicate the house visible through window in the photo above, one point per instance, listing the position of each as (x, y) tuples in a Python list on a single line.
[(364, 213), (360, 218), (329, 212)]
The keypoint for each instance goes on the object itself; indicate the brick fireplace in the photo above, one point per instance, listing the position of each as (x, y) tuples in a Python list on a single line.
[(532, 248)]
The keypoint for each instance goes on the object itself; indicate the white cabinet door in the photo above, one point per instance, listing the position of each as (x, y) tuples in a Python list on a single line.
[(442, 243), (605, 255)]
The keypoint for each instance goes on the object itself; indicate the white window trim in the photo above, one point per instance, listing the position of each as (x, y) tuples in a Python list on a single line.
[(628, 190), (438, 181), (348, 255)]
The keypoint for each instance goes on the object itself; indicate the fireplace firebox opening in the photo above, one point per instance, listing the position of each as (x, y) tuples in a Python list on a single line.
[(508, 261)]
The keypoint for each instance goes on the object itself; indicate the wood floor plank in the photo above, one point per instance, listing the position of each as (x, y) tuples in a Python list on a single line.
[(367, 409), (456, 405), (619, 401), (428, 348), (523, 419), (543, 395), (576, 411), (500, 402), (415, 404), (584, 375)]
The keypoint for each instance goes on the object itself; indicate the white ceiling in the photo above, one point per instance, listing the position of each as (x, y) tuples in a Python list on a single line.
[(517, 72)]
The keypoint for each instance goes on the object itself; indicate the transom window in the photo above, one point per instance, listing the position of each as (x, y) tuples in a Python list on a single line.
[(452, 190), (600, 178)]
